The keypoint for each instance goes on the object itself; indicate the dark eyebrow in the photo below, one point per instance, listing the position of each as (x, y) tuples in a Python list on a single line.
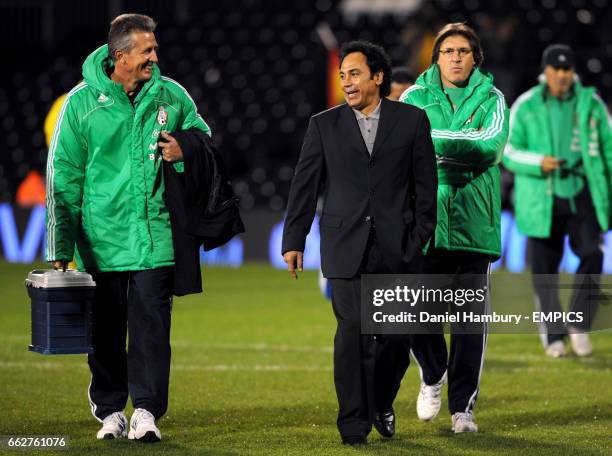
[(350, 70)]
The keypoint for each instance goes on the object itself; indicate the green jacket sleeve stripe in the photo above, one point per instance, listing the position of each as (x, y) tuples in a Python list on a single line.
[(522, 156), (404, 96), (516, 157), (605, 133), (491, 131), (197, 121), (57, 217)]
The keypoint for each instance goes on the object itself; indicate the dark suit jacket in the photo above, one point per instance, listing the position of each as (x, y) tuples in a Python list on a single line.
[(394, 189)]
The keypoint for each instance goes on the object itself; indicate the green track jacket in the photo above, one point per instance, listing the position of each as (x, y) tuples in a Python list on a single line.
[(531, 139), (469, 144), (104, 174)]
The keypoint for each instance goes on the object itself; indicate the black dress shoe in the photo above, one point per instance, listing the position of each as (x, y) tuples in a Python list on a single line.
[(384, 423), (355, 440)]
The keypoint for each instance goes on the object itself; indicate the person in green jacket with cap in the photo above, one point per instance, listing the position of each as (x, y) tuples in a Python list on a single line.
[(469, 128), (560, 150), (105, 195)]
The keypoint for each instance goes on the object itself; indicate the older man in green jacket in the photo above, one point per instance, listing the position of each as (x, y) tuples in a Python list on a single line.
[(469, 128), (105, 195), (560, 150)]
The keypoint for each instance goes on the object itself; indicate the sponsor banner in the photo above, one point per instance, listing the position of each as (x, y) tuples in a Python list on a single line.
[(22, 240)]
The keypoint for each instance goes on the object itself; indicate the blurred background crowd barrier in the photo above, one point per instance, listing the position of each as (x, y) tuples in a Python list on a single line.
[(257, 70)]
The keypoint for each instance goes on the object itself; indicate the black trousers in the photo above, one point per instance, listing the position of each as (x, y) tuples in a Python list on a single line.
[(138, 303), (585, 239), (467, 350), (364, 365)]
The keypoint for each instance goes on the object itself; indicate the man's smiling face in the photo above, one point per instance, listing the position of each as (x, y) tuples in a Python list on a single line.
[(140, 59), (361, 88)]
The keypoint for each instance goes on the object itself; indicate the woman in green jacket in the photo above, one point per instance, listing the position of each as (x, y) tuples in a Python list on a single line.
[(469, 128)]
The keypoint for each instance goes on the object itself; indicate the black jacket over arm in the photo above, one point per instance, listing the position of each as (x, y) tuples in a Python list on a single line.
[(394, 188), (202, 205)]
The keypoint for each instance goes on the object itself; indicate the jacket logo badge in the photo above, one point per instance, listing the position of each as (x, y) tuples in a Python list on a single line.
[(102, 98), (162, 116)]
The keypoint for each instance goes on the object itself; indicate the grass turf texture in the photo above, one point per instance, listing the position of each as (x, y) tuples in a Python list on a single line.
[(252, 374)]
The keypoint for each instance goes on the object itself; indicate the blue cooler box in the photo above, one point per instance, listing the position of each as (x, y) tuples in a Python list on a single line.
[(61, 311)]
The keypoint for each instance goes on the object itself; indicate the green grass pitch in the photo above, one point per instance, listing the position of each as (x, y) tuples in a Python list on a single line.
[(252, 374)]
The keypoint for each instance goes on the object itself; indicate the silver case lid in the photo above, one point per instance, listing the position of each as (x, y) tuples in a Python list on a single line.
[(50, 278)]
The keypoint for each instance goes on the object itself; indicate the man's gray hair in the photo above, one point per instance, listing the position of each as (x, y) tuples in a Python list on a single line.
[(121, 28)]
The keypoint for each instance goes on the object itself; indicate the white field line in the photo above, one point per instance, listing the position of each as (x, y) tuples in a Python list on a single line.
[(178, 366), (181, 343), (538, 359), (253, 368), (561, 368), (15, 337), (257, 346), (41, 365)]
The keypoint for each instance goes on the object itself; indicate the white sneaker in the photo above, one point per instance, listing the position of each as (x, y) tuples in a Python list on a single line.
[(142, 427), (464, 422), (114, 426), (581, 344), (429, 401), (556, 349)]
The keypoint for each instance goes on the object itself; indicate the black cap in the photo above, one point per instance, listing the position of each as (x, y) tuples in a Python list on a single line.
[(558, 56)]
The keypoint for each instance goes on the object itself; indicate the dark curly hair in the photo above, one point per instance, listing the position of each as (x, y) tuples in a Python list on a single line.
[(458, 28), (376, 59)]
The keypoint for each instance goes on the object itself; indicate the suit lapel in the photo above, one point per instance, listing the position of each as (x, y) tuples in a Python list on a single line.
[(386, 123), (349, 130)]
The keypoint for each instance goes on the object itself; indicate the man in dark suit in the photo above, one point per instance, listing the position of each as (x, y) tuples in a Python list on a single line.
[(377, 159)]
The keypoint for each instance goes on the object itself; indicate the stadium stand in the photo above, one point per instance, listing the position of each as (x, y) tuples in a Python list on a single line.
[(257, 69)]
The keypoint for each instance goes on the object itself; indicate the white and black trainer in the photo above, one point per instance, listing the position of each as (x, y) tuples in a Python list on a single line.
[(114, 426), (429, 400), (580, 342), (143, 428), (464, 422), (556, 349)]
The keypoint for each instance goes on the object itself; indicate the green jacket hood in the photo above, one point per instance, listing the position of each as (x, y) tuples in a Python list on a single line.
[(95, 75), (480, 79), (583, 93)]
